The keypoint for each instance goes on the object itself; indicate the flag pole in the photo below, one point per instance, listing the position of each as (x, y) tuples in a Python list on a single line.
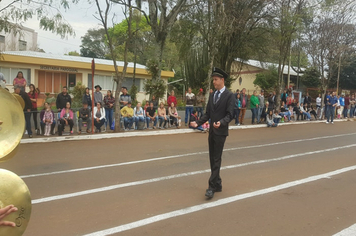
[(92, 96)]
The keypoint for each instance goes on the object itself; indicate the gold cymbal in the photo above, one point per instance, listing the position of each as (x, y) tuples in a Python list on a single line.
[(13, 123), (13, 190), (20, 99)]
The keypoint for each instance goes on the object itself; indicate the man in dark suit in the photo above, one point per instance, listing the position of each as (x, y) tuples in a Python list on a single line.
[(220, 111)]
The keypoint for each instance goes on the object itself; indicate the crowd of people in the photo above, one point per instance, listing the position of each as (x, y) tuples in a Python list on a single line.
[(155, 115), (265, 109)]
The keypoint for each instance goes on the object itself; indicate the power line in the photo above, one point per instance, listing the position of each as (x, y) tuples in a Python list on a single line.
[(59, 41)]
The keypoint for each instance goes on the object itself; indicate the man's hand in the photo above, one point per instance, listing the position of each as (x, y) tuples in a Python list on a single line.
[(216, 125), (193, 124), (5, 212)]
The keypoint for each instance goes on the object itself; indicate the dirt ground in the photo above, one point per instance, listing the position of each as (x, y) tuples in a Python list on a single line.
[(128, 181)]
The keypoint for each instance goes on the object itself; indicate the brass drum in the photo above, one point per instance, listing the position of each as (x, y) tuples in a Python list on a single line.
[(12, 124), (14, 191)]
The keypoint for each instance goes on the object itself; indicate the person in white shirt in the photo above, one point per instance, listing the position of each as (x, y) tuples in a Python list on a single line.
[(138, 115), (99, 117), (301, 108), (190, 100)]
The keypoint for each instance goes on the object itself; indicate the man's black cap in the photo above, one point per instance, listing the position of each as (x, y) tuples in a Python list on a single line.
[(219, 72)]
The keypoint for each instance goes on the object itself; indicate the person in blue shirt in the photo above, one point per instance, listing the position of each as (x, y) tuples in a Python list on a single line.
[(332, 103), (342, 105)]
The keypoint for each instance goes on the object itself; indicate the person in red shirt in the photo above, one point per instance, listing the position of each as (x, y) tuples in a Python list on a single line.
[(172, 98), (33, 97)]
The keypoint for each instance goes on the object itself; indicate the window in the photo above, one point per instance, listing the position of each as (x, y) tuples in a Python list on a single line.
[(11, 73), (22, 45), (106, 82), (2, 39)]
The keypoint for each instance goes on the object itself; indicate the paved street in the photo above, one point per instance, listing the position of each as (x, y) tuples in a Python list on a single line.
[(290, 180)]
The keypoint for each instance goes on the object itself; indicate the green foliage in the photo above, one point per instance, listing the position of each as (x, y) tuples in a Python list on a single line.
[(78, 92), (155, 87), (42, 10), (94, 44), (311, 78), (347, 76), (49, 99), (267, 80), (133, 93), (73, 53)]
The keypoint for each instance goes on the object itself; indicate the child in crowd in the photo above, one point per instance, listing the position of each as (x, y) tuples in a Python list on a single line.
[(273, 119), (194, 117), (206, 125), (48, 120)]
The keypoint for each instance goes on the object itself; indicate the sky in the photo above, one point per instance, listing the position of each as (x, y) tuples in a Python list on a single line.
[(81, 18)]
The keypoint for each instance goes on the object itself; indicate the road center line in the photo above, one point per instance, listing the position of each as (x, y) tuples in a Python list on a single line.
[(135, 183), (220, 202), (351, 231), (180, 155)]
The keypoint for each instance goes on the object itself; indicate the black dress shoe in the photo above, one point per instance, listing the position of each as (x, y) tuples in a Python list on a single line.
[(218, 190), (209, 193)]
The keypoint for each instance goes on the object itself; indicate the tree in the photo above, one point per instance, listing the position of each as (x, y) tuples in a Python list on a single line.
[(15, 13), (288, 20), (73, 53), (94, 44), (327, 38), (119, 77), (267, 80), (311, 78)]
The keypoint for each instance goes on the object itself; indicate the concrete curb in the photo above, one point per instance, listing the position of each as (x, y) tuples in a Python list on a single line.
[(151, 133)]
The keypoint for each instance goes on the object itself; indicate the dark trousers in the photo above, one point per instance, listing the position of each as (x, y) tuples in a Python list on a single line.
[(34, 115), (216, 146), (99, 124), (200, 111), (108, 114), (331, 114), (70, 123), (188, 112), (28, 122), (254, 114), (236, 115), (345, 112)]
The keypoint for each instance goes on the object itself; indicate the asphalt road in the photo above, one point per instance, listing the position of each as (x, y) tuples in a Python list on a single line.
[(290, 180)]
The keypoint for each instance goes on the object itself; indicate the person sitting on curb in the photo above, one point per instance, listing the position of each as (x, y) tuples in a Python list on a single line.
[(173, 116), (273, 119), (66, 118), (287, 113), (304, 112), (128, 114), (99, 117), (138, 115), (84, 117), (161, 112), (194, 118), (151, 115)]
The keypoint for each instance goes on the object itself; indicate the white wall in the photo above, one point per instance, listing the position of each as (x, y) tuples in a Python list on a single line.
[(12, 40)]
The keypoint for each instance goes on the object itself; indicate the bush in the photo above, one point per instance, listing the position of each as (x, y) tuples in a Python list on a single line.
[(78, 92)]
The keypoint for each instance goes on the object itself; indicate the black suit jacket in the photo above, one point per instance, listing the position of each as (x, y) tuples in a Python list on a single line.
[(221, 111)]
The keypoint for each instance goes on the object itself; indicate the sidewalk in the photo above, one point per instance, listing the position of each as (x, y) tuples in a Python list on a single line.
[(173, 130)]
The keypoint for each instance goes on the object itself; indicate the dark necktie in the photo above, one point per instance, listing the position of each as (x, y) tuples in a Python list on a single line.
[(216, 98)]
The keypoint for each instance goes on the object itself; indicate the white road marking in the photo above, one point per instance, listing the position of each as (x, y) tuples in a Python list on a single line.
[(135, 183), (351, 231), (220, 202), (177, 156)]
